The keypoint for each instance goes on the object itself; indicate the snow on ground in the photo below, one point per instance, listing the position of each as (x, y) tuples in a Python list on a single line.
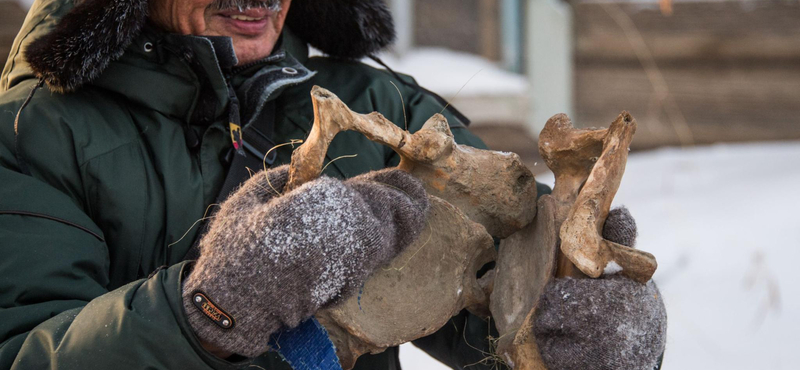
[(446, 72), (723, 222), (413, 358), (26, 3)]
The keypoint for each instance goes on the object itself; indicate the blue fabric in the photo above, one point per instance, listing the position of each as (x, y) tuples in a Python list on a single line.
[(307, 347)]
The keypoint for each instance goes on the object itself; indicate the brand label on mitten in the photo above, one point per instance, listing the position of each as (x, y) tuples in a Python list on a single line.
[(216, 314)]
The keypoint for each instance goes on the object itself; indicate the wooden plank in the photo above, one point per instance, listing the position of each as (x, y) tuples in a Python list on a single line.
[(447, 23), (489, 29), (720, 103), (760, 30)]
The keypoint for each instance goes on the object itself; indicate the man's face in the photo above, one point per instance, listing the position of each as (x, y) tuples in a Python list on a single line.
[(254, 25)]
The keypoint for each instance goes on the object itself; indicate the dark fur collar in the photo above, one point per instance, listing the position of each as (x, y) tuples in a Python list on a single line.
[(349, 29), (97, 32), (92, 35)]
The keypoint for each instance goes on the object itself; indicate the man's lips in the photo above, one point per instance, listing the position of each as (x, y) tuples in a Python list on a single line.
[(250, 22), (255, 13)]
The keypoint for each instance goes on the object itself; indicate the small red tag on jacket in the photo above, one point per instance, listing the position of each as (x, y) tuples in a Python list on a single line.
[(212, 311)]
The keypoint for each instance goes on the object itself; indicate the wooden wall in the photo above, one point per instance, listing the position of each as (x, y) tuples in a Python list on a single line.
[(471, 26), (729, 70)]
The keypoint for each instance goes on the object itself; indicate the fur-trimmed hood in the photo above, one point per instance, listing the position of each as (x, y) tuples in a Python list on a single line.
[(97, 32)]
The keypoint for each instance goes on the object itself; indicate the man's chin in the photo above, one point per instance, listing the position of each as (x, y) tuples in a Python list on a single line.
[(252, 40), (250, 50)]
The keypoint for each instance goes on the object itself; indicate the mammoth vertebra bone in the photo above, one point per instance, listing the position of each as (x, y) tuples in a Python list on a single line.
[(588, 167), (474, 194)]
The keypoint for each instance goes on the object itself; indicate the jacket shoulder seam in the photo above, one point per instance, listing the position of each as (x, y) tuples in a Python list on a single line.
[(53, 218)]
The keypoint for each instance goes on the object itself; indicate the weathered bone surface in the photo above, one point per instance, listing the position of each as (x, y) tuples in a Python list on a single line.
[(490, 187), (466, 185), (581, 233), (430, 282), (571, 154), (525, 264), (588, 167)]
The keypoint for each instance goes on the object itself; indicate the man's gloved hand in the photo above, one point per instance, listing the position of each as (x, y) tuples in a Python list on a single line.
[(620, 227), (607, 323), (270, 261)]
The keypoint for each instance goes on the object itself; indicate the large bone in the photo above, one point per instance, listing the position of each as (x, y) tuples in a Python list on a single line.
[(588, 167), (436, 276), (490, 187)]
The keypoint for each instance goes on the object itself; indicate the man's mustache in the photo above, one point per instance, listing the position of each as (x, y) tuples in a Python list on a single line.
[(242, 5)]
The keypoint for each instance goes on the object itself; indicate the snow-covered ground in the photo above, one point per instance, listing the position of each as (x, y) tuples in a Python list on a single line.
[(447, 71), (723, 222), (26, 3)]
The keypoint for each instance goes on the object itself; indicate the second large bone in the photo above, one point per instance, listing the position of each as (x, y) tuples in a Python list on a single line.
[(581, 231), (588, 165)]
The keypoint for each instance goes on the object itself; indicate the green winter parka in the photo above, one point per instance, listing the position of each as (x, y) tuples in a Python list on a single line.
[(102, 184)]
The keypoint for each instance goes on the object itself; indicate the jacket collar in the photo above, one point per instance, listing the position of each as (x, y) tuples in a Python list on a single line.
[(93, 34), (186, 67)]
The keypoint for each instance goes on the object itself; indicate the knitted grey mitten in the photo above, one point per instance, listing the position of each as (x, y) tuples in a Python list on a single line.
[(620, 227), (607, 323), (271, 261)]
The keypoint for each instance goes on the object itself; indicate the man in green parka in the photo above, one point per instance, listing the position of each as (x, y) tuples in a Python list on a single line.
[(116, 136)]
